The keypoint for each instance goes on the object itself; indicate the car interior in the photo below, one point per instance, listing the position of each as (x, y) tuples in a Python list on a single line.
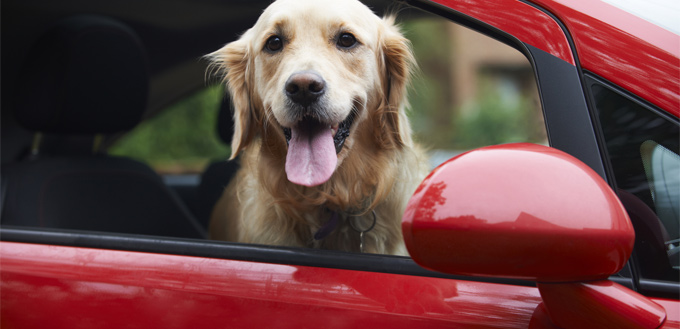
[(59, 115), (69, 186)]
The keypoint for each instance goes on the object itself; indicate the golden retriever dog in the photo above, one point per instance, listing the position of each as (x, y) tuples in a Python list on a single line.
[(327, 158)]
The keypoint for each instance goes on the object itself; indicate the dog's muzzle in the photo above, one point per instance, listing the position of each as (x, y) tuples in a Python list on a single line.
[(340, 135), (305, 88), (313, 140)]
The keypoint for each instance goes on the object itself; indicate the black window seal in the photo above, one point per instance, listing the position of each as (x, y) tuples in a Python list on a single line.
[(592, 78), (243, 252), (235, 252)]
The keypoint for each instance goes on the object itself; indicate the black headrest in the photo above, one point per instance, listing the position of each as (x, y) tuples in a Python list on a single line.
[(87, 75)]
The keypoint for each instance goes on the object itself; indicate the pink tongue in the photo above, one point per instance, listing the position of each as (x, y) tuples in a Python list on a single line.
[(311, 157)]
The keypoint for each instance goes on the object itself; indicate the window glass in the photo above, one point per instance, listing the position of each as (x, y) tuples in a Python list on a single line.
[(470, 91), (181, 139), (662, 168), (643, 150)]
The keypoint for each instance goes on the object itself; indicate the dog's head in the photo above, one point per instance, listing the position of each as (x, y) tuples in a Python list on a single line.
[(317, 78)]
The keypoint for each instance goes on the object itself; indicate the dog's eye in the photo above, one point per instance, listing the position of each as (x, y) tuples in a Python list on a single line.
[(346, 41), (273, 44)]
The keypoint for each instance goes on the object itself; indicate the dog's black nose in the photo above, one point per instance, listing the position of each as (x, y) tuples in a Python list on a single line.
[(305, 87)]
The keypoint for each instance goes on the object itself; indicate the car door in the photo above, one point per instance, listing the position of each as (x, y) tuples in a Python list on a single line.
[(71, 279)]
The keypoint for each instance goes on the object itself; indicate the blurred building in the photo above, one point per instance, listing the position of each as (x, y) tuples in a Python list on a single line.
[(479, 61), (471, 90)]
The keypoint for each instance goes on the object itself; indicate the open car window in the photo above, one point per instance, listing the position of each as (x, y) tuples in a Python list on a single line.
[(469, 91)]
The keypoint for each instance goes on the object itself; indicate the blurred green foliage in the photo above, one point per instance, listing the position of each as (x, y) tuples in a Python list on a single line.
[(183, 138), (429, 96), (490, 118)]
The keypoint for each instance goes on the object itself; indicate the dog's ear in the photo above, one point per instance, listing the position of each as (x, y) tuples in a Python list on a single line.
[(232, 62), (396, 64)]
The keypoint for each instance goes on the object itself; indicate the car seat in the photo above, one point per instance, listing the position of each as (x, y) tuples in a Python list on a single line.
[(87, 76), (218, 174), (650, 235)]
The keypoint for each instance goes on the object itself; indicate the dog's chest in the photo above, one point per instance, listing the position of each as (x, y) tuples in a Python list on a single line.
[(341, 231)]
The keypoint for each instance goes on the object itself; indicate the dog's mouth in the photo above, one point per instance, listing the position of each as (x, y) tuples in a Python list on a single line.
[(312, 149), (340, 132)]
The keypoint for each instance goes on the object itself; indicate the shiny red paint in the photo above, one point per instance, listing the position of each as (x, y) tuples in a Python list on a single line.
[(624, 49), (518, 211), (599, 304), (541, 319), (672, 312), (621, 47), (67, 287), (529, 24)]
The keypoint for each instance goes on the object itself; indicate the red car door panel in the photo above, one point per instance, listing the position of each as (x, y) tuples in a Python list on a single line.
[(71, 287)]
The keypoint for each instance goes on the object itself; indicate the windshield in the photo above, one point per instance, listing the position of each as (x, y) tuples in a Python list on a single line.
[(663, 13)]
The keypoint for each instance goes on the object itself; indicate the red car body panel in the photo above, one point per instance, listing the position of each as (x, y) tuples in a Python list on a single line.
[(624, 49), (621, 47), (529, 24), (605, 303), (71, 287)]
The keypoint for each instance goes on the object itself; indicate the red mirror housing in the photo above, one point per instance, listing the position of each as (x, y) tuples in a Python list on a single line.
[(520, 211)]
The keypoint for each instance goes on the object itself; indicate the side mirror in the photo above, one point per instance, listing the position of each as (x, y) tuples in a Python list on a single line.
[(529, 212)]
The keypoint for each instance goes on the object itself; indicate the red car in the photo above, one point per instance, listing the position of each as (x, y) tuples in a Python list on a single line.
[(580, 234)]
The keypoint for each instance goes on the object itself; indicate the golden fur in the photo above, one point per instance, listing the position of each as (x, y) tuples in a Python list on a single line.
[(379, 166)]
